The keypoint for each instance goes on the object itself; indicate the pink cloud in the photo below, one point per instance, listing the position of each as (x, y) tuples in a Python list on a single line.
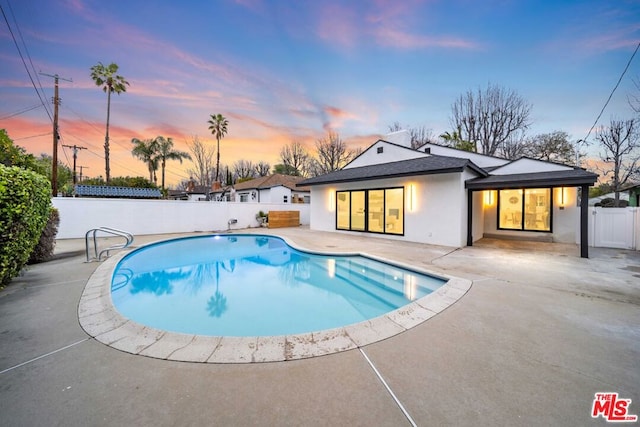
[(338, 24), (388, 23), (253, 5), (386, 36), (618, 38)]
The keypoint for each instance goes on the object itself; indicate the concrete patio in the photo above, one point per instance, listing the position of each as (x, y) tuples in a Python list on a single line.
[(538, 334)]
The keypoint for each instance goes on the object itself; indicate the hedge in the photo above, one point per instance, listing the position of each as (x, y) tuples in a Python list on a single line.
[(47, 243), (25, 203)]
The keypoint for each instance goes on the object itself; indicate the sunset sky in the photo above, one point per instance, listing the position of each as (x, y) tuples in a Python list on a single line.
[(294, 70)]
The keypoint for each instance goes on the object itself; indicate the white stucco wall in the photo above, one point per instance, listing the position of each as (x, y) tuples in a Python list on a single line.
[(390, 153), (139, 217), (529, 166), (277, 195), (478, 159), (439, 208)]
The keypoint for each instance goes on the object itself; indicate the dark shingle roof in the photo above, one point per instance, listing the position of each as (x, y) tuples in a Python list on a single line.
[(561, 178), (421, 166)]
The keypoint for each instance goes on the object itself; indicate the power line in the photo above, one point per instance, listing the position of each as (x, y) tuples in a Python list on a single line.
[(24, 44), (17, 113), (32, 136), (75, 157), (24, 63), (612, 92)]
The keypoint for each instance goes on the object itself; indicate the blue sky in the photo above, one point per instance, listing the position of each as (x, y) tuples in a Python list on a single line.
[(293, 70)]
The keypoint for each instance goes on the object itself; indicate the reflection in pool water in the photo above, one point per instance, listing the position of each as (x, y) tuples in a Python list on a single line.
[(248, 285)]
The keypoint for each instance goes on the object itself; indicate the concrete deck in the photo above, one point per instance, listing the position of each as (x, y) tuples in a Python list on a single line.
[(538, 334)]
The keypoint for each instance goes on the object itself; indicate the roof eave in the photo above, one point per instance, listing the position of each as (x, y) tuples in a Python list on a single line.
[(531, 183), (398, 175)]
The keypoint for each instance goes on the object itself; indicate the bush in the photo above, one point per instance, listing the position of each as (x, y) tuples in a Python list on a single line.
[(25, 202), (44, 249), (610, 202)]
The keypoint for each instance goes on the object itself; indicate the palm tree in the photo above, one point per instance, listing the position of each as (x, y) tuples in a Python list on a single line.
[(110, 82), (147, 151), (165, 151), (218, 127)]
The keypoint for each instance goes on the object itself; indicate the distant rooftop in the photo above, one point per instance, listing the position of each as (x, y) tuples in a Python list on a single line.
[(117, 192)]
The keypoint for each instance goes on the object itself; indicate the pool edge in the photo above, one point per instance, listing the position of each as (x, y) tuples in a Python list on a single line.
[(99, 318)]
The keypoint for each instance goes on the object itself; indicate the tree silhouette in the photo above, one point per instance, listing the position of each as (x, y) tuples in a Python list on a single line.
[(218, 127), (110, 81)]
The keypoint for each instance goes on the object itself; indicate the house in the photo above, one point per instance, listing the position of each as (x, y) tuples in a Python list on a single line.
[(214, 192), (633, 192), (276, 188), (444, 196)]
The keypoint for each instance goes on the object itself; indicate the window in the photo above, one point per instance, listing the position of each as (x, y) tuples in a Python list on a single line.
[(357, 210), (394, 215), (528, 209), (380, 150), (375, 211), (285, 199), (244, 197), (343, 207)]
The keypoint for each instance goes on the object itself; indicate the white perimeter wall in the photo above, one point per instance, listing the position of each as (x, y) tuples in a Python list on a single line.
[(139, 217), (436, 215)]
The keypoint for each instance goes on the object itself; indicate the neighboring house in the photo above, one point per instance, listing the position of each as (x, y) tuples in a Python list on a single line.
[(633, 194), (443, 196), (203, 192), (276, 188)]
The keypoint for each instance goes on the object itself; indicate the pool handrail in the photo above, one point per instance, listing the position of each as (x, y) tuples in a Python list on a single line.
[(97, 256)]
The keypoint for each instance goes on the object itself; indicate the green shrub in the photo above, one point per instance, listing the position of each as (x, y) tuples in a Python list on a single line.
[(25, 203), (44, 249)]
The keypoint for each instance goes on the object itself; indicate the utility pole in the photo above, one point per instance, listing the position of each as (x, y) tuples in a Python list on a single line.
[(75, 156), (56, 135), (81, 167)]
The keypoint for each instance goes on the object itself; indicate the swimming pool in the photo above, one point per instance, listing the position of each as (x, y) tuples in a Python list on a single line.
[(256, 285)]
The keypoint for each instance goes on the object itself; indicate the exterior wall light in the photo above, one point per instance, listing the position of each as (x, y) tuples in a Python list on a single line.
[(563, 197), (331, 200), (488, 198), (411, 199)]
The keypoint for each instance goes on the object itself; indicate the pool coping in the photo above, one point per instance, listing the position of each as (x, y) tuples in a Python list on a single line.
[(100, 319)]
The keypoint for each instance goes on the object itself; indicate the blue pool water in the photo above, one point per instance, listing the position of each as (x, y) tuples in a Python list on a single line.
[(254, 285)]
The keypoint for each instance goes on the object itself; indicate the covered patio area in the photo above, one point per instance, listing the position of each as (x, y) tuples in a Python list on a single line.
[(529, 219)]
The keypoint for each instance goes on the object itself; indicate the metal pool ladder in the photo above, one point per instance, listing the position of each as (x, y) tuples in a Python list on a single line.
[(91, 235)]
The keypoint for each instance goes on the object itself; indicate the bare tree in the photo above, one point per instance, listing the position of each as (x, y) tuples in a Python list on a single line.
[(295, 159), (243, 170), (419, 135), (634, 99), (621, 153), (488, 117), (333, 154), (552, 147), (513, 147), (202, 159), (263, 168)]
